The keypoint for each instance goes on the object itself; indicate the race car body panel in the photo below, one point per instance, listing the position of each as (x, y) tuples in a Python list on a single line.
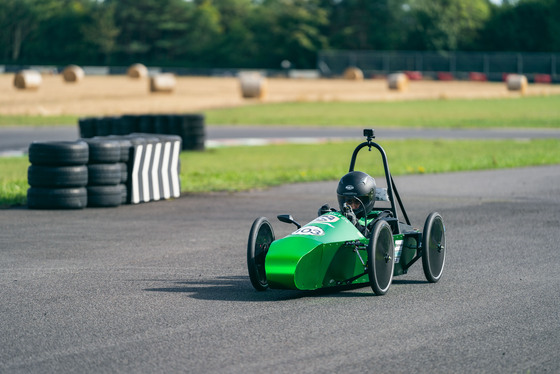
[(317, 255)]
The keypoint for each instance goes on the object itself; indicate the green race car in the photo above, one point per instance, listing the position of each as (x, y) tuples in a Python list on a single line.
[(337, 249)]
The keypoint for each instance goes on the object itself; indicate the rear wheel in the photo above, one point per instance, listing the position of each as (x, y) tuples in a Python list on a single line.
[(260, 238), (381, 255), (433, 247)]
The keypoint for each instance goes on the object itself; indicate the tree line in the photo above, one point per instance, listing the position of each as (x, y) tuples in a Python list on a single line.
[(262, 33)]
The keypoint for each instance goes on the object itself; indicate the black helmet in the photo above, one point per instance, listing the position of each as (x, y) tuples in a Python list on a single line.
[(357, 185)]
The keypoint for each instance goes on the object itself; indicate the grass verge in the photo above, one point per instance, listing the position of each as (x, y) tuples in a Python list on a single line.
[(246, 168), (534, 111), (13, 181), (38, 120)]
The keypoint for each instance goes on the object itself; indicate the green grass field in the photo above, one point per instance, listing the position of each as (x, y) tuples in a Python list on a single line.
[(260, 167), (245, 168), (534, 111), (542, 111)]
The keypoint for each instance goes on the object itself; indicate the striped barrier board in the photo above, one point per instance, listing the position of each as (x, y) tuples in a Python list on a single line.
[(154, 173)]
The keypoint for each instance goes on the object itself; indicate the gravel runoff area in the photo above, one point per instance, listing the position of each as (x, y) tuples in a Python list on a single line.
[(163, 287), (114, 95)]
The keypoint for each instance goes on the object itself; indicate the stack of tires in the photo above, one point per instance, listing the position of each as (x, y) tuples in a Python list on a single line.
[(104, 171), (58, 175), (107, 173), (190, 127)]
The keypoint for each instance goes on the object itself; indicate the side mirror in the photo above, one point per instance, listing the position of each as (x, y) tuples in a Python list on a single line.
[(287, 218)]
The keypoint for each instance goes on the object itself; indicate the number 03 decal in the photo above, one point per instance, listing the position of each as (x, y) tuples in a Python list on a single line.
[(309, 230)]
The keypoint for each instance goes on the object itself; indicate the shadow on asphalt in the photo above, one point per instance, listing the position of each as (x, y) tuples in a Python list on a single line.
[(239, 288)]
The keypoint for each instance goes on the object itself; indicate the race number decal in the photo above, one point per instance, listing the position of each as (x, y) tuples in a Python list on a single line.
[(309, 230), (326, 218)]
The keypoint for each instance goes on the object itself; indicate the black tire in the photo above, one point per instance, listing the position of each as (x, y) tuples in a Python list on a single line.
[(124, 172), (192, 131), (61, 153), (104, 174), (260, 238), (104, 196), (57, 176), (104, 126), (433, 247), (87, 127), (124, 193), (146, 124), (56, 198), (381, 258), (103, 150), (129, 124), (126, 145)]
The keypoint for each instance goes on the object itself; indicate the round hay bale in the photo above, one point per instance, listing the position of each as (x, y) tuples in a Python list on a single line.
[(517, 82), (137, 71), (354, 73), (73, 73), (253, 85), (397, 81), (28, 80), (163, 83)]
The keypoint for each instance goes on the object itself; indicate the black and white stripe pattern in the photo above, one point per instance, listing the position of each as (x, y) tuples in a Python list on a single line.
[(154, 174)]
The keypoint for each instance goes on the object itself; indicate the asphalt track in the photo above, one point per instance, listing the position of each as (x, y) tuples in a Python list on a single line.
[(15, 140), (163, 287)]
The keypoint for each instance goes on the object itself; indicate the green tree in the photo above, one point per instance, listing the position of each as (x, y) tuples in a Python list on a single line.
[(527, 25), (100, 30), (445, 25), (56, 36), (365, 24), (19, 19), (236, 46), (202, 33), (289, 29), (150, 30)]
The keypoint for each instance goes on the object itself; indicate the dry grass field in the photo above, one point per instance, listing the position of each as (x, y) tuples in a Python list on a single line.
[(114, 95)]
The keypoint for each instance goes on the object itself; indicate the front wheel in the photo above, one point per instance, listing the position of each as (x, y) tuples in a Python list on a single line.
[(433, 247), (381, 258), (260, 238)]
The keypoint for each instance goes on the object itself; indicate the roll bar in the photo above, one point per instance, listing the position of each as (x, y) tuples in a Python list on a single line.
[(391, 188)]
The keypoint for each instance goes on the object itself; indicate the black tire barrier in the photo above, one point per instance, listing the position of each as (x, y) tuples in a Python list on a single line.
[(103, 150), (104, 174), (57, 176), (61, 153), (190, 127), (104, 196), (143, 168), (57, 198)]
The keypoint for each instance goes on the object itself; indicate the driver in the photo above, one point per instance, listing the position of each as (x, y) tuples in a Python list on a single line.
[(356, 197)]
